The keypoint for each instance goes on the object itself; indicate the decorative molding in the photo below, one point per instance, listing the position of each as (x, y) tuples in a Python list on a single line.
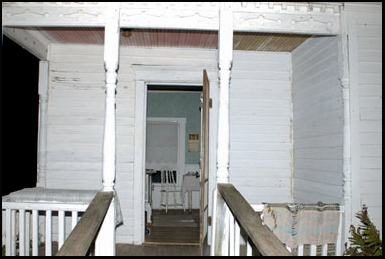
[(312, 18)]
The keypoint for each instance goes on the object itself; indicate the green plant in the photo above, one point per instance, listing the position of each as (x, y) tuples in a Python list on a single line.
[(3, 251), (365, 241)]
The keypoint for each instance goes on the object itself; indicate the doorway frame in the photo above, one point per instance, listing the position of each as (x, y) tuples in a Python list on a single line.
[(144, 76)]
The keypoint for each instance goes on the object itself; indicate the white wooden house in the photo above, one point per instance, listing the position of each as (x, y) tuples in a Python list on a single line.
[(295, 88)]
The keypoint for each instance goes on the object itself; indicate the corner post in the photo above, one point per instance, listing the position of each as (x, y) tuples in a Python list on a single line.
[(343, 40)]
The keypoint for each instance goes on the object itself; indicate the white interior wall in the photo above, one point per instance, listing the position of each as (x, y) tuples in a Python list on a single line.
[(260, 126), (317, 122)]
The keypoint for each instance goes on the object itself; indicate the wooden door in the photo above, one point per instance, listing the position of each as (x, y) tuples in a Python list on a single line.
[(204, 184)]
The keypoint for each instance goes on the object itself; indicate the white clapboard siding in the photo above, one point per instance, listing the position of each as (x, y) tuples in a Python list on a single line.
[(76, 113), (260, 126), (317, 122), (365, 46)]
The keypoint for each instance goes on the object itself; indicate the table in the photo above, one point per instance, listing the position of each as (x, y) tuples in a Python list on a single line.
[(190, 183)]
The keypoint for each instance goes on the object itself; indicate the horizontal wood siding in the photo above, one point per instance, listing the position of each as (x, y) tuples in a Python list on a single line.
[(260, 126), (365, 41), (76, 116), (317, 122)]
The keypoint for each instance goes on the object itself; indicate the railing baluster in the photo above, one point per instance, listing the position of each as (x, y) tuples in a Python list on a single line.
[(325, 250), (74, 217), (22, 232), (35, 232), (48, 233), (13, 233), (27, 230), (61, 228), (313, 250), (8, 231), (231, 234), (300, 250), (237, 233), (249, 249)]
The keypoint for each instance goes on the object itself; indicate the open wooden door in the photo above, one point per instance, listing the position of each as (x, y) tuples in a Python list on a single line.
[(204, 185)]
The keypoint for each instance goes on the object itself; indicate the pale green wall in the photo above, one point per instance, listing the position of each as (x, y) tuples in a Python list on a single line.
[(179, 105)]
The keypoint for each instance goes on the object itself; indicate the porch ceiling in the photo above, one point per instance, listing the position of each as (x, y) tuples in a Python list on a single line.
[(175, 38)]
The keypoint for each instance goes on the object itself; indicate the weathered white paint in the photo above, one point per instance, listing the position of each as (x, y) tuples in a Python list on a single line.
[(343, 52), (76, 113), (111, 63), (365, 64), (31, 40), (105, 243), (317, 122), (225, 59), (260, 126), (312, 18), (42, 129)]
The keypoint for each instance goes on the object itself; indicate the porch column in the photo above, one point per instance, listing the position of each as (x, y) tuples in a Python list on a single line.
[(111, 63), (106, 240), (345, 85), (42, 138), (225, 48)]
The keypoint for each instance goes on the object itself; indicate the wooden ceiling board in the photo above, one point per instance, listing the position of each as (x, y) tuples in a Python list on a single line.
[(176, 38)]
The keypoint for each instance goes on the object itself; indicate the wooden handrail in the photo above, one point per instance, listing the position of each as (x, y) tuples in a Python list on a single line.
[(263, 238), (80, 240)]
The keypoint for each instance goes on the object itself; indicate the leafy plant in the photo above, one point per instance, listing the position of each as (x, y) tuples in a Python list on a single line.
[(365, 241)]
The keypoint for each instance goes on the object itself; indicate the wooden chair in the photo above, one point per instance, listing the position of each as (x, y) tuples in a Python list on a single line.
[(168, 186)]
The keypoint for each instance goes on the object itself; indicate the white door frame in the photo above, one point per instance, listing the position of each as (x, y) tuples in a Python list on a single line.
[(145, 75)]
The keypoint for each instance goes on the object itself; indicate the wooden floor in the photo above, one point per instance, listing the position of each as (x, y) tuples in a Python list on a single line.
[(174, 227), (175, 233)]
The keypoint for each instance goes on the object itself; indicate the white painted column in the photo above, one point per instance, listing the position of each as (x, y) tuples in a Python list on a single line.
[(111, 63), (345, 85), (42, 138), (220, 230), (105, 242), (225, 48)]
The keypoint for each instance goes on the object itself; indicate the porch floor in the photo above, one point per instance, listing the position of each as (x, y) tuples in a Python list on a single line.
[(175, 233)]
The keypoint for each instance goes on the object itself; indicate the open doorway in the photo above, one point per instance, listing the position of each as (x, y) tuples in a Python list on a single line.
[(173, 133)]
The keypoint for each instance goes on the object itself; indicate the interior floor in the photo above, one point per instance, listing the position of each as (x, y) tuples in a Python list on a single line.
[(176, 227)]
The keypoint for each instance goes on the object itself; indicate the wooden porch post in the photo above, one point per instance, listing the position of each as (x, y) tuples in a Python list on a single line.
[(345, 85), (220, 213), (43, 97), (225, 48), (105, 242)]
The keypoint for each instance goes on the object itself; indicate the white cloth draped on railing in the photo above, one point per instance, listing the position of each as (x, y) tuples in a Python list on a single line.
[(297, 224), (39, 194)]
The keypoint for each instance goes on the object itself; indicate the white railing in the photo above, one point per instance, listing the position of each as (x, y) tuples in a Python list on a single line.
[(234, 220), (238, 229), (22, 225), (312, 249)]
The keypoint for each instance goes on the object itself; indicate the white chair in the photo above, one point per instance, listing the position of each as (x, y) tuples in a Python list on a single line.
[(168, 186)]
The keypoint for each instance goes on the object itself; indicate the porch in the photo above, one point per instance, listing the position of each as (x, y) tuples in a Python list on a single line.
[(237, 226), (290, 128)]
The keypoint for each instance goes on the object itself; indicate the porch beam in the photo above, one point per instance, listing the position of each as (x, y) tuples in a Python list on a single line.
[(225, 49), (307, 18), (31, 40)]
